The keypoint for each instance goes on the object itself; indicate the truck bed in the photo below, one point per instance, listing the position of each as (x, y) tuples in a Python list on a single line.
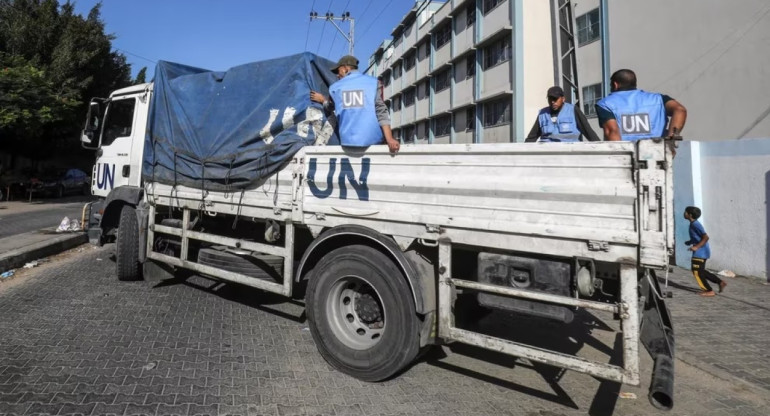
[(560, 199)]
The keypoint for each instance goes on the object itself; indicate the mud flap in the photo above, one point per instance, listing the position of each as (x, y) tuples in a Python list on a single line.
[(657, 336)]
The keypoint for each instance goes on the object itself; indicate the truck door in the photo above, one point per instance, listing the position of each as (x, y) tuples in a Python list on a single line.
[(113, 166)]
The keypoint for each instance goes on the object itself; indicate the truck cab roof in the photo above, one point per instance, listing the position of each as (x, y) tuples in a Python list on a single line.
[(132, 89)]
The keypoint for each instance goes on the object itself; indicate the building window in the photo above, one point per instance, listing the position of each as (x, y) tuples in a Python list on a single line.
[(497, 112), (443, 80), (423, 131), (408, 136), (443, 35), (588, 27), (425, 48), (396, 103), (491, 4), (497, 53), (470, 118), (470, 14), (591, 94), (408, 61), (386, 79), (397, 71), (442, 125), (423, 90), (470, 66), (408, 97)]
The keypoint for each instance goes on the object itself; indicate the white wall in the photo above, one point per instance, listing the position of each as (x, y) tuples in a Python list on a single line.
[(538, 60), (734, 181)]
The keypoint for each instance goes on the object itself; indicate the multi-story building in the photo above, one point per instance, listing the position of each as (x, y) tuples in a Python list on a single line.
[(454, 71), (466, 71)]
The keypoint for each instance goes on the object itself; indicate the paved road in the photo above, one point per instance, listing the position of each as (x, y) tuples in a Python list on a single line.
[(19, 217), (76, 341)]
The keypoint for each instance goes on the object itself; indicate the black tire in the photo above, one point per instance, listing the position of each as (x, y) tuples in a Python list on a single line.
[(344, 293), (127, 265)]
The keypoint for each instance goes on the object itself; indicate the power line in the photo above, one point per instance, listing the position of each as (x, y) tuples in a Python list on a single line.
[(377, 17), (692, 62), (335, 33), (307, 34), (420, 8), (323, 29), (138, 56), (361, 16), (697, 77)]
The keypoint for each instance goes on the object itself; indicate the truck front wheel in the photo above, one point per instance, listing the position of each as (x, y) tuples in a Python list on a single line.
[(127, 264), (361, 313)]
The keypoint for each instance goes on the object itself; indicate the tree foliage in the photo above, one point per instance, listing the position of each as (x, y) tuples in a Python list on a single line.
[(52, 61), (141, 76)]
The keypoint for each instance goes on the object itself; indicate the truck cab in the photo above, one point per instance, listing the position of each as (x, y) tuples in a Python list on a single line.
[(115, 127)]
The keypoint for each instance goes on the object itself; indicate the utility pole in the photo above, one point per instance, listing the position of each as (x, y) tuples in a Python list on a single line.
[(345, 17)]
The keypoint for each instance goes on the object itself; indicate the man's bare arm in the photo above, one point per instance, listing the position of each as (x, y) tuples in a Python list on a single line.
[(611, 131), (678, 115)]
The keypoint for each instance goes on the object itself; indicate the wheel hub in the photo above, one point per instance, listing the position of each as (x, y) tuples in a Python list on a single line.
[(367, 309)]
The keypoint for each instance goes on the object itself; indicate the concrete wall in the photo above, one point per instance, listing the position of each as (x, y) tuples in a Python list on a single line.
[(711, 55), (730, 182)]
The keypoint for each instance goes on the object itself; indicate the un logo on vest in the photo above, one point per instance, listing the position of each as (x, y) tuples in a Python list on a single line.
[(635, 123), (353, 99)]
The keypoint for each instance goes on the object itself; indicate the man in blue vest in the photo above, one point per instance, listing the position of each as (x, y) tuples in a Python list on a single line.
[(560, 122), (362, 116), (630, 114)]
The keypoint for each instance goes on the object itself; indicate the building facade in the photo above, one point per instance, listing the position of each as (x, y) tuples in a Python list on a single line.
[(472, 71), (455, 71)]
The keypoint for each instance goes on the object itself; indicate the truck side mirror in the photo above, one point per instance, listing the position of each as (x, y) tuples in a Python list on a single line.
[(93, 122)]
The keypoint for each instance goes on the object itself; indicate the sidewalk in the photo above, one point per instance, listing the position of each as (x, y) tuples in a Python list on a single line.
[(19, 249), (726, 335)]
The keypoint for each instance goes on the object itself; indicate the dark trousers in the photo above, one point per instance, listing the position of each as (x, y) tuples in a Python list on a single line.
[(703, 276)]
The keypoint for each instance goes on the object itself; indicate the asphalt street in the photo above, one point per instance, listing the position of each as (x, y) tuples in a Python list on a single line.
[(17, 217), (77, 341)]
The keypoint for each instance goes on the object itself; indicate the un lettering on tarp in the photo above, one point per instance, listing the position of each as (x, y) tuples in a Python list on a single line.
[(635, 123)]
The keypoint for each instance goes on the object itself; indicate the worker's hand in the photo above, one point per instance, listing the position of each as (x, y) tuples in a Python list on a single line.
[(393, 145), (317, 97), (693, 248)]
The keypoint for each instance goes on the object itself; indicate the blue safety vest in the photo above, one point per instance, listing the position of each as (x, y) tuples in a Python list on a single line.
[(564, 130), (354, 97), (640, 114)]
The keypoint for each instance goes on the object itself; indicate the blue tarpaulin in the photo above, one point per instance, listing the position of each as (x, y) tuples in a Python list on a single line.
[(230, 130)]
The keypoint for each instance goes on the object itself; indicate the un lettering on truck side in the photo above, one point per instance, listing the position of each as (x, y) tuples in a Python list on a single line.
[(105, 176), (346, 174)]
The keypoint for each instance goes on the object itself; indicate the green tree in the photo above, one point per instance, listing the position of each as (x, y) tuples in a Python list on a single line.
[(52, 61), (140, 77)]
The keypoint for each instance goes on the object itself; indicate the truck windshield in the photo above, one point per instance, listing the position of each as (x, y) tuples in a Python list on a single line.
[(119, 119)]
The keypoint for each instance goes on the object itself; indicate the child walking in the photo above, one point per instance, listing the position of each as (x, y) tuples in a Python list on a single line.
[(701, 251)]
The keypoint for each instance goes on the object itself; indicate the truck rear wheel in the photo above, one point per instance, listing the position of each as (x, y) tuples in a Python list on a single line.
[(127, 265), (361, 313)]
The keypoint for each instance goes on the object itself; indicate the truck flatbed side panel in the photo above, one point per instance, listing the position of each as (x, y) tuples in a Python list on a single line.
[(571, 192)]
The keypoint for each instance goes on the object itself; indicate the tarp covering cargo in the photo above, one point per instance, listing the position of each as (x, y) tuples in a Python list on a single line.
[(228, 130)]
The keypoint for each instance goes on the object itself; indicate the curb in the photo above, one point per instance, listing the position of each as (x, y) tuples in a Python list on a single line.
[(17, 257)]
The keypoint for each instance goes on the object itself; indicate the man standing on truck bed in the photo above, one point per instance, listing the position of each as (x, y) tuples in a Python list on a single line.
[(560, 121), (631, 114), (362, 116)]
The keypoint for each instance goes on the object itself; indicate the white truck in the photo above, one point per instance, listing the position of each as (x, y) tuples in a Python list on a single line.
[(386, 243)]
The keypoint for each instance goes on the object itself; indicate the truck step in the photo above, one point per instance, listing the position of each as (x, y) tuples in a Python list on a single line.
[(258, 266)]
